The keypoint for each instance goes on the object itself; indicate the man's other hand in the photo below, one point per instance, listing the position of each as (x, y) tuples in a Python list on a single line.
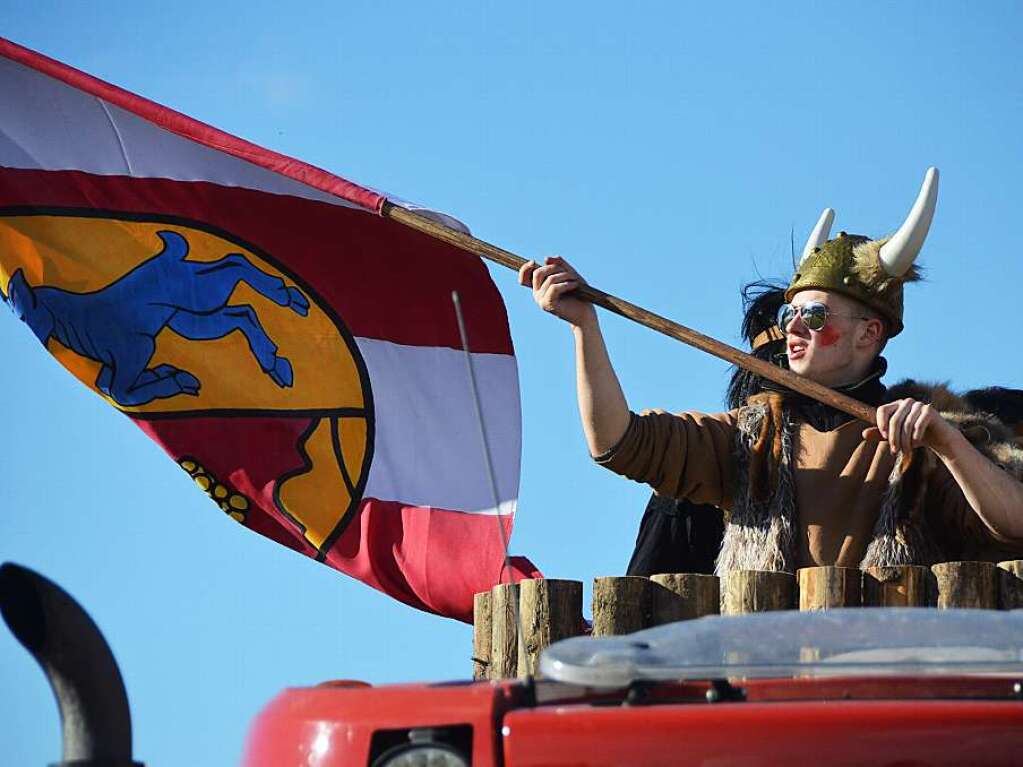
[(907, 424)]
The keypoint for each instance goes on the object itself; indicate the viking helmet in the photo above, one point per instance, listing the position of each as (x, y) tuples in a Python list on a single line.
[(869, 271)]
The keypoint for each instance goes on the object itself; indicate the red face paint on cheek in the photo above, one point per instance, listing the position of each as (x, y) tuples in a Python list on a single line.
[(828, 336)]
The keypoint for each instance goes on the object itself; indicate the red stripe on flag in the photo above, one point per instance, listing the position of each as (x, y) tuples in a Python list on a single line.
[(429, 558), (334, 250), (432, 559), (192, 129)]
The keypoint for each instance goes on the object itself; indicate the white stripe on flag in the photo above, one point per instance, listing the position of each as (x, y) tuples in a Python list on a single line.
[(428, 450), (57, 127)]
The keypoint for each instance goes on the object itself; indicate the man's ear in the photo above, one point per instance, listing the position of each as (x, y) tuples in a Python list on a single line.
[(873, 331)]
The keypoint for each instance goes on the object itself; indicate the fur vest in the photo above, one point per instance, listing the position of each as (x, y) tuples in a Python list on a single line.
[(760, 534)]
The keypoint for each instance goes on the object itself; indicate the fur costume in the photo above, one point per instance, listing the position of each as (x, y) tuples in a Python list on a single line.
[(759, 533)]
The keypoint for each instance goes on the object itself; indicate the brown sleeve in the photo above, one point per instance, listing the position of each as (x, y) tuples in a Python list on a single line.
[(689, 455)]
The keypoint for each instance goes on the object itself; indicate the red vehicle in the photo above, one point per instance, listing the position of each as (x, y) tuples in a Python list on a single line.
[(911, 686)]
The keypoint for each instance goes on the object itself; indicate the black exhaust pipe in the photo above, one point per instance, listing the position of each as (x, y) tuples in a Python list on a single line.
[(78, 664)]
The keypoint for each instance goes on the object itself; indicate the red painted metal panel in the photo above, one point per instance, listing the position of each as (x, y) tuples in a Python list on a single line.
[(836, 721), (836, 733), (330, 726)]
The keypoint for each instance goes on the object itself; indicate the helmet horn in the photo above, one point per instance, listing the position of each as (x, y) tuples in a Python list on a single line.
[(899, 253), (820, 233)]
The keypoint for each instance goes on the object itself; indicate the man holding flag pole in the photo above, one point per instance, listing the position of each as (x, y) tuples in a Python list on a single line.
[(799, 482)]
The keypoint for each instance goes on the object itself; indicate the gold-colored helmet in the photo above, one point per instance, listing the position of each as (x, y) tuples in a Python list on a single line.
[(869, 271)]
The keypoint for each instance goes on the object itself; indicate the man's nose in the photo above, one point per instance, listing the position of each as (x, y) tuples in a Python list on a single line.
[(797, 327)]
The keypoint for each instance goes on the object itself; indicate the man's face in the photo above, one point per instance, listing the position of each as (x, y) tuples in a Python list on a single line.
[(835, 354)]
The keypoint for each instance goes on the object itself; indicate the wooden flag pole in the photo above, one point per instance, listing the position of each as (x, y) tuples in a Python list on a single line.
[(653, 321)]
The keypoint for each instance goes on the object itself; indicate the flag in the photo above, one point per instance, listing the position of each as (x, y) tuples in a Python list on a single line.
[(293, 351)]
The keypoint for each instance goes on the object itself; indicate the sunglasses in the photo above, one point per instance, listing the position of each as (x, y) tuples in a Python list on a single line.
[(814, 315)]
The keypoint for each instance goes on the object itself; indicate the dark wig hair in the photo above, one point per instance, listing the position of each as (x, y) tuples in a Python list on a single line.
[(1004, 404), (761, 301)]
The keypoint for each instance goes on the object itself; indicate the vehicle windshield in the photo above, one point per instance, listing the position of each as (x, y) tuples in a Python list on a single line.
[(865, 642)]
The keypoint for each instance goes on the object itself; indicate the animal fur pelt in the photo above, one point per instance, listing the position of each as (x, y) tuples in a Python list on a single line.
[(761, 528), (760, 532), (991, 418), (866, 267), (1005, 404)]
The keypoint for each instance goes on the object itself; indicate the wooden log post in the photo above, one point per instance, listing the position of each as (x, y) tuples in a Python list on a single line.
[(550, 610), (896, 586), (825, 588), (504, 636), (754, 591), (683, 596), (1010, 584), (967, 584), (481, 635), (621, 605)]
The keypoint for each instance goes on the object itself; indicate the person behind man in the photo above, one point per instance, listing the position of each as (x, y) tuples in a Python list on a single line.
[(676, 535), (804, 485)]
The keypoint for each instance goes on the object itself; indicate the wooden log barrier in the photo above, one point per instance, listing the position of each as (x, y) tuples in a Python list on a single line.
[(550, 610), (1010, 584), (966, 584), (896, 586), (481, 635), (504, 636), (620, 605), (825, 588), (683, 596), (754, 591)]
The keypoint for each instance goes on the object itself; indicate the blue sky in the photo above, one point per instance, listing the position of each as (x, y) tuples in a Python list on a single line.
[(670, 150)]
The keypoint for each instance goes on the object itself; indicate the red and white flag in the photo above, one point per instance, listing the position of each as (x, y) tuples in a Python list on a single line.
[(293, 351)]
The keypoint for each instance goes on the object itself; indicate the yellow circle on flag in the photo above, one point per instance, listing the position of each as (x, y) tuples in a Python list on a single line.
[(85, 255), (205, 326)]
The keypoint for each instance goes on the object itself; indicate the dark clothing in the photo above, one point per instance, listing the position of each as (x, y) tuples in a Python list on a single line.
[(677, 537)]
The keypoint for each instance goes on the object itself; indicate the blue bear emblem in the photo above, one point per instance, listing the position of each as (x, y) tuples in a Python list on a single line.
[(117, 325)]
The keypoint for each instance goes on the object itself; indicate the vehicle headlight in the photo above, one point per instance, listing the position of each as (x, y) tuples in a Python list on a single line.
[(422, 755)]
